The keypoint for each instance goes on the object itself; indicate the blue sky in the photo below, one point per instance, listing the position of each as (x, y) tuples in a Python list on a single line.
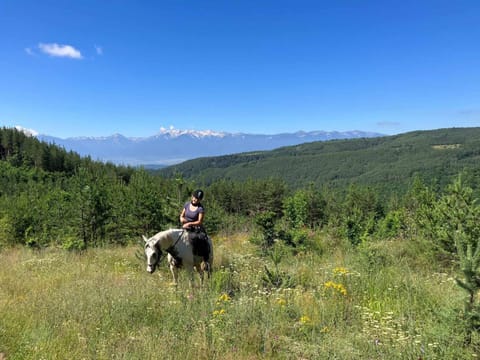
[(95, 68)]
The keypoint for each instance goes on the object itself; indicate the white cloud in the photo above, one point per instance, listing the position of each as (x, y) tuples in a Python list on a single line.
[(29, 132), (60, 50), (99, 50)]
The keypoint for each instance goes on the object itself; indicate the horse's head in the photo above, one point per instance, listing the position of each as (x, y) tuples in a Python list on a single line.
[(153, 254)]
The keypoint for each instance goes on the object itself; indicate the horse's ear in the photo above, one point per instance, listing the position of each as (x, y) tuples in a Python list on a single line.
[(144, 238)]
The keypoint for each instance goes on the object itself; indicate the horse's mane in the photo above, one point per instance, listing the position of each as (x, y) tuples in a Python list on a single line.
[(163, 234)]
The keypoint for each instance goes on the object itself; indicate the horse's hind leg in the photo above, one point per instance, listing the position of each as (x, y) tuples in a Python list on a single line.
[(191, 276), (206, 267), (200, 273), (203, 268)]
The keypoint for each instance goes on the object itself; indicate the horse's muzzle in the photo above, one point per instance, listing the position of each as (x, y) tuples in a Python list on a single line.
[(151, 269)]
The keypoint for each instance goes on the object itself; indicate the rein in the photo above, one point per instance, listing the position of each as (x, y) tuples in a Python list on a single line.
[(178, 238), (169, 249)]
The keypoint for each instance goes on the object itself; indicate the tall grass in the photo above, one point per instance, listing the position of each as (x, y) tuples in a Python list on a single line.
[(376, 301)]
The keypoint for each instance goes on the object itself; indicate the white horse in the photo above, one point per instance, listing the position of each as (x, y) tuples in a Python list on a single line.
[(181, 252)]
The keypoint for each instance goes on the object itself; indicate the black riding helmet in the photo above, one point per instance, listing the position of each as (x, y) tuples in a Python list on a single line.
[(198, 194)]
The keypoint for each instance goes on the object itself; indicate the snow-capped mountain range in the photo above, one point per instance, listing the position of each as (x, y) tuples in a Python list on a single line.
[(171, 146)]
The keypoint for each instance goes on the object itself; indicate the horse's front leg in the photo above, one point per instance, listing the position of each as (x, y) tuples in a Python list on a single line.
[(173, 270)]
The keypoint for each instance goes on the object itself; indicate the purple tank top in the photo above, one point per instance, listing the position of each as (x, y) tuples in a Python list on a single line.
[(193, 215)]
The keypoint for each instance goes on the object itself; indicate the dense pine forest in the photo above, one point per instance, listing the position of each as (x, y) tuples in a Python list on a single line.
[(53, 197), (386, 164)]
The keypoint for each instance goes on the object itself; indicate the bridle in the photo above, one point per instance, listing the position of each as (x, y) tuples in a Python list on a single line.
[(160, 256)]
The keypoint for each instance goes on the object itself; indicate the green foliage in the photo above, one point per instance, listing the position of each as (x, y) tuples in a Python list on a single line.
[(266, 221), (216, 218), (460, 211), (386, 164), (376, 254), (6, 231), (249, 197), (458, 231), (296, 209), (451, 224), (393, 225), (361, 211), (440, 218), (223, 281), (299, 236), (295, 238), (73, 243), (150, 203), (276, 278), (21, 150), (51, 197), (469, 258)]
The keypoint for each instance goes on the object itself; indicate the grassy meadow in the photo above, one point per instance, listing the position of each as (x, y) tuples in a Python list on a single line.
[(381, 300)]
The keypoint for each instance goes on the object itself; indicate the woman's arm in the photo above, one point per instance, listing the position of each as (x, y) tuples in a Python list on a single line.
[(193, 223), (183, 220)]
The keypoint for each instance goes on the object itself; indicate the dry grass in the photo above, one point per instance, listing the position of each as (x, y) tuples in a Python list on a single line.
[(341, 304)]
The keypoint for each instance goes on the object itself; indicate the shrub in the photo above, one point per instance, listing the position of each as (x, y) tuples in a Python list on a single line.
[(6, 232), (266, 221), (391, 225), (73, 243)]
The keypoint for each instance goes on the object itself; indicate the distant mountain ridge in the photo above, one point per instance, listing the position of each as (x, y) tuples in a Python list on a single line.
[(172, 146), (387, 163)]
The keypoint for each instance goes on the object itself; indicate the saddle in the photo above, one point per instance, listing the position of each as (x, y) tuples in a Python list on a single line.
[(199, 240)]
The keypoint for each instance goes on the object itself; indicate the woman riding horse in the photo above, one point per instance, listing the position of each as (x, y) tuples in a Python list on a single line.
[(191, 218), (193, 211)]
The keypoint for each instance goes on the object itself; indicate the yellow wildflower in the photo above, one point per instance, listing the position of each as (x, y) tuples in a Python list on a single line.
[(281, 302), (219, 312), (224, 297), (335, 286), (340, 271), (305, 320)]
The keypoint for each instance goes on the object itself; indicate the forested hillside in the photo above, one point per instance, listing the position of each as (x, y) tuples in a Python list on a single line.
[(384, 163), (49, 196)]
